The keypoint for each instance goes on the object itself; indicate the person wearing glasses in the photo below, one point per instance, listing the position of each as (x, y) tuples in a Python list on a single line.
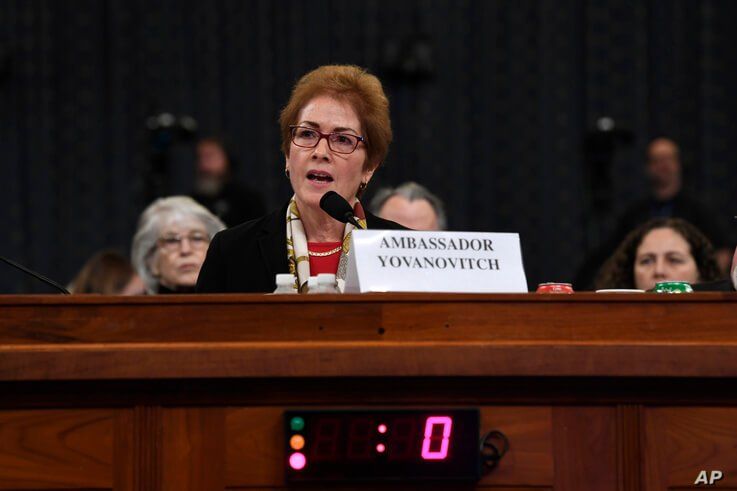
[(171, 242), (335, 133)]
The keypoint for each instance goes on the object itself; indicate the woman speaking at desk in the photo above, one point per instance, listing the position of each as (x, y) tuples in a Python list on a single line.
[(335, 133)]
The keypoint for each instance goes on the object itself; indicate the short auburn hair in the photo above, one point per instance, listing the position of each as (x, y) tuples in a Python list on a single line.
[(354, 85)]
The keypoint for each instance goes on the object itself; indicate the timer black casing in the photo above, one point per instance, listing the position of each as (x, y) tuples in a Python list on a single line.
[(340, 445)]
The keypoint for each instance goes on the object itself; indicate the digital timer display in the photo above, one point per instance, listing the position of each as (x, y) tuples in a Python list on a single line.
[(360, 445)]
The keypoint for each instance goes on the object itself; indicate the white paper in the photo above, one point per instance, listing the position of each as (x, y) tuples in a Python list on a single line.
[(454, 262)]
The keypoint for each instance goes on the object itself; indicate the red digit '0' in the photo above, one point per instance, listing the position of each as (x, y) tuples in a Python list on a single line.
[(429, 453)]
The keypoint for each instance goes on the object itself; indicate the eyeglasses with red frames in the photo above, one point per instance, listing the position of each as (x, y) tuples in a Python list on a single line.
[(306, 137)]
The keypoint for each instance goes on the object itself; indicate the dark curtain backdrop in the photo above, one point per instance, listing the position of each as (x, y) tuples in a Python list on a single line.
[(490, 103)]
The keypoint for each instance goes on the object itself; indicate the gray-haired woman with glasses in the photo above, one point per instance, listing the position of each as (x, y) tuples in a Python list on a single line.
[(170, 244), (335, 133)]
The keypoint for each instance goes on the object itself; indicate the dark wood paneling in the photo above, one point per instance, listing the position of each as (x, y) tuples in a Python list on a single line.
[(389, 487), (255, 447), (193, 449), (54, 449), (403, 317), (629, 447), (681, 442), (147, 447), (381, 335), (534, 364), (529, 461), (366, 359), (585, 448), (124, 468)]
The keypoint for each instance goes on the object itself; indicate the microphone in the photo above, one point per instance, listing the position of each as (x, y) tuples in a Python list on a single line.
[(35, 275), (337, 207)]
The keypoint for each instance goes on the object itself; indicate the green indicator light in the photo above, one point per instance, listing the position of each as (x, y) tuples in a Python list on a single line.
[(297, 423)]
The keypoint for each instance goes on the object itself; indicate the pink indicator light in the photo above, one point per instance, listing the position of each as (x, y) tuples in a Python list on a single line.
[(382, 428), (441, 453), (381, 448), (297, 461)]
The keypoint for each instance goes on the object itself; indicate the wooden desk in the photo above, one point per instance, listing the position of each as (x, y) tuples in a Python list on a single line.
[(594, 392)]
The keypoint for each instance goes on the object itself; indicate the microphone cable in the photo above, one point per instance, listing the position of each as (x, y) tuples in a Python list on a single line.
[(35, 275)]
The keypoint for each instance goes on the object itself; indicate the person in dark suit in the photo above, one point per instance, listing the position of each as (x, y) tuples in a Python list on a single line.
[(335, 133), (668, 198), (216, 187)]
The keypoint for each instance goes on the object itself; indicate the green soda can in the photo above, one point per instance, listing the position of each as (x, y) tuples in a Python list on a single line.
[(672, 287)]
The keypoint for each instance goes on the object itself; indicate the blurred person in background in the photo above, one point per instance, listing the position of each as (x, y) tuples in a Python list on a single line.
[(663, 249), (170, 244), (666, 199), (335, 133), (216, 187), (107, 273), (411, 205), (664, 173)]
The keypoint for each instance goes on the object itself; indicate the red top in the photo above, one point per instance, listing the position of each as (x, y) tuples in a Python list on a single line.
[(329, 264), (324, 264)]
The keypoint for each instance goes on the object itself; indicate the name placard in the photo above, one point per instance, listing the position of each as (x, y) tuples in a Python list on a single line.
[(454, 262)]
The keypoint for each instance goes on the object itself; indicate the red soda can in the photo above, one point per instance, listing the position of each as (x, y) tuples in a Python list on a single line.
[(554, 288)]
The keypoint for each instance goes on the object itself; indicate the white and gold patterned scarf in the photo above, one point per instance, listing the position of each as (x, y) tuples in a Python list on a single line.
[(297, 252)]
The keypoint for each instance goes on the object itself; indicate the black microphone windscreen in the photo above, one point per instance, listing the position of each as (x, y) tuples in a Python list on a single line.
[(336, 206)]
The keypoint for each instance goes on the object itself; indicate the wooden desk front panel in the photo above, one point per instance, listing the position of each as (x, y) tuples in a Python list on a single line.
[(552, 447), (186, 393), (680, 442), (57, 449), (242, 448)]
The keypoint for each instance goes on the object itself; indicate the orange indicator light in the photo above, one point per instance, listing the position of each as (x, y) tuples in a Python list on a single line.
[(297, 442)]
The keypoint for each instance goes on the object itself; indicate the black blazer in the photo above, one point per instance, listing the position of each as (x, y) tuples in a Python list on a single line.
[(247, 258), (714, 286)]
